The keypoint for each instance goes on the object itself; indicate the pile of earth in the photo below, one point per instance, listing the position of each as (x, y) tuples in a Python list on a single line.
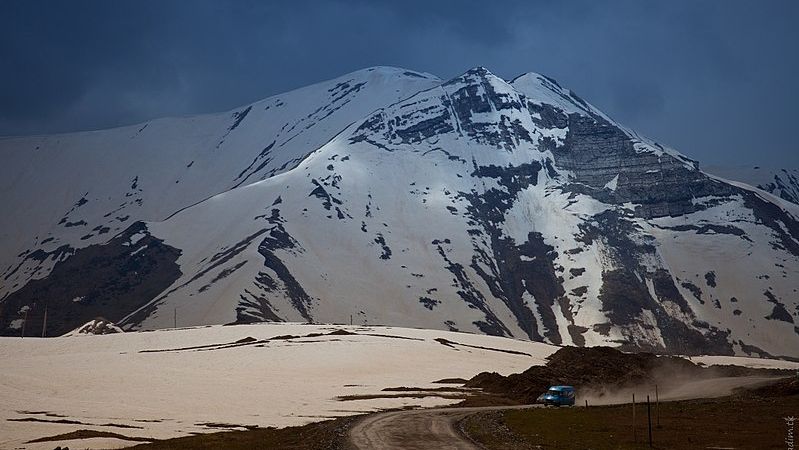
[(590, 367), (783, 388)]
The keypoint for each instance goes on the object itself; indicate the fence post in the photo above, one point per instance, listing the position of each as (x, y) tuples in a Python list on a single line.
[(635, 434), (657, 407), (649, 420), (44, 322)]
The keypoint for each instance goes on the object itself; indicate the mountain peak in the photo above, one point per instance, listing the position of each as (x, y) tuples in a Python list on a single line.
[(532, 86), (479, 70), (477, 74), (508, 208)]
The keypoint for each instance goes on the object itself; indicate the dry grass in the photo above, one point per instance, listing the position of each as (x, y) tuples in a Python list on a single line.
[(731, 422)]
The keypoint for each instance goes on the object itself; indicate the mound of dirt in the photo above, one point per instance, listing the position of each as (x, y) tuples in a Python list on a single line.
[(590, 367), (783, 388)]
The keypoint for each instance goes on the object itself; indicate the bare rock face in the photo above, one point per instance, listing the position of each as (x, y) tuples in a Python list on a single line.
[(512, 208), (604, 158)]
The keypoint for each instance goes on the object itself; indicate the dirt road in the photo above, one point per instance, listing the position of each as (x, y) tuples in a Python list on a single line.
[(415, 429), (436, 429)]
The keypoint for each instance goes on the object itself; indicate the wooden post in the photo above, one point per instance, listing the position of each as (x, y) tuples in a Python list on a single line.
[(44, 322), (649, 420), (350, 319), (657, 406), (586, 403), (635, 434)]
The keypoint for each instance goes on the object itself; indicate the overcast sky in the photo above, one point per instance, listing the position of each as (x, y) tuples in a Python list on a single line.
[(715, 79)]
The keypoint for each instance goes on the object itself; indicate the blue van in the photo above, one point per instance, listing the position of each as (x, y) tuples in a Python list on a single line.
[(558, 396)]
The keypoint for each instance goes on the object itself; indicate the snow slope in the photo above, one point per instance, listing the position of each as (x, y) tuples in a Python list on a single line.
[(69, 191), (508, 208), (109, 379), (783, 183), (271, 374)]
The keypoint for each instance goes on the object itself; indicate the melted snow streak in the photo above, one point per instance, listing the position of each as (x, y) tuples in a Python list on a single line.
[(387, 196)]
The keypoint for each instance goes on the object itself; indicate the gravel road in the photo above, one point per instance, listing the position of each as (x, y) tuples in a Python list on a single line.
[(416, 429), (436, 428)]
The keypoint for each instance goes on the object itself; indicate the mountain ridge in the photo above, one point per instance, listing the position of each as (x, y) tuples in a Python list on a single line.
[(552, 223), (783, 183)]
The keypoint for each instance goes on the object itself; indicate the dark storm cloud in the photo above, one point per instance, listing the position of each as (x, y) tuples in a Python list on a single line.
[(715, 79)]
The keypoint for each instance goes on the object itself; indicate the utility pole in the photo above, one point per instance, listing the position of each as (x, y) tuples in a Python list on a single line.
[(44, 322)]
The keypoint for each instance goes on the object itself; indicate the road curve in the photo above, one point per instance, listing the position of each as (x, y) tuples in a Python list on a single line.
[(415, 429), (436, 429)]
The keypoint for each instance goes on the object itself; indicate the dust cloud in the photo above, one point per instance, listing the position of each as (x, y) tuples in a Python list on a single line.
[(673, 388)]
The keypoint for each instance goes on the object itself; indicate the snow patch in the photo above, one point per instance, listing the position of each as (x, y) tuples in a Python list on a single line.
[(612, 184)]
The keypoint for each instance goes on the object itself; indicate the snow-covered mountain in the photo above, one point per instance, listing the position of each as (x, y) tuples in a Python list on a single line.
[(511, 208), (784, 183)]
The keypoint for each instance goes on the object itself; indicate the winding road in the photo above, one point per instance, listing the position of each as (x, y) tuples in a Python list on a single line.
[(416, 429), (436, 428)]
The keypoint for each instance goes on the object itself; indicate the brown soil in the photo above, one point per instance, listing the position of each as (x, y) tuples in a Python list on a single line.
[(748, 419), (418, 389), (249, 340), (484, 399), (71, 422), (88, 434), (600, 367), (736, 422), (451, 381), (452, 344), (424, 394), (227, 426), (327, 435), (784, 388)]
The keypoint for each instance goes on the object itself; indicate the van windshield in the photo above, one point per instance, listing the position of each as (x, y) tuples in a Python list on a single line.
[(554, 392)]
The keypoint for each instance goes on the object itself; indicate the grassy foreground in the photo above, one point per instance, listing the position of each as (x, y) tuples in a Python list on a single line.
[(726, 423)]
